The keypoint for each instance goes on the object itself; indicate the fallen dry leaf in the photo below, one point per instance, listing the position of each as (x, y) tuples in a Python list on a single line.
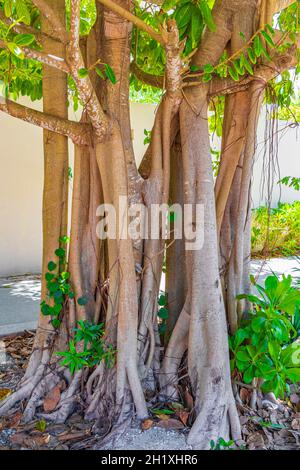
[(18, 438), (245, 394), (15, 420), (5, 392), (294, 398), (170, 423), (147, 424), (183, 415), (256, 441), (163, 417), (37, 441), (52, 399), (296, 424), (72, 436), (188, 400)]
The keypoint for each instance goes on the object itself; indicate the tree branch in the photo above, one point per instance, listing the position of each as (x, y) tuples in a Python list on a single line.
[(111, 5), (147, 78), (43, 57), (84, 85), (58, 27), (24, 29), (267, 71), (78, 132)]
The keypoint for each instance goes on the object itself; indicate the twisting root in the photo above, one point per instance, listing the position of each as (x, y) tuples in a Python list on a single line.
[(67, 402), (27, 386), (46, 384), (35, 387)]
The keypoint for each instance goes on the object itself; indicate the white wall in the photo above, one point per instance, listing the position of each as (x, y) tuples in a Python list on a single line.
[(21, 180), (288, 155)]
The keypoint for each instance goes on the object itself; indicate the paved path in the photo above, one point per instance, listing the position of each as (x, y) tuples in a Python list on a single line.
[(20, 295), (19, 303)]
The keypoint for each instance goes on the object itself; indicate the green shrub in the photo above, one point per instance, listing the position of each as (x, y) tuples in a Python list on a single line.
[(276, 232), (266, 346)]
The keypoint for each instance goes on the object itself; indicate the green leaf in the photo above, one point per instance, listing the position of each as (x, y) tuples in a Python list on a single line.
[(168, 5), (60, 252), (208, 68), (196, 26), (233, 73), (163, 313), (162, 300), (157, 411), (207, 16), (274, 350), (207, 77), (15, 50), (83, 72), (49, 277), (56, 323), (247, 65), (82, 300), (23, 12), (268, 38), (243, 356), (45, 309), (293, 374), (270, 29), (8, 8), (240, 336), (258, 323), (252, 58), (52, 266), (110, 74), (24, 39), (183, 15), (249, 374), (257, 46), (100, 73), (57, 309)]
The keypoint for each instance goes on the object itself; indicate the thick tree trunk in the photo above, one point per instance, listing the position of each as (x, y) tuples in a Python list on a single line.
[(55, 191), (208, 356)]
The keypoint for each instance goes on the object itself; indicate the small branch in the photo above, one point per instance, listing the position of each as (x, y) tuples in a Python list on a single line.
[(74, 46), (43, 57), (147, 78), (266, 71), (78, 132), (111, 5), (173, 60), (84, 85), (24, 29), (49, 13)]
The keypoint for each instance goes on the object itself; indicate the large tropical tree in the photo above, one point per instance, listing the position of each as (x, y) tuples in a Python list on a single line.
[(208, 61)]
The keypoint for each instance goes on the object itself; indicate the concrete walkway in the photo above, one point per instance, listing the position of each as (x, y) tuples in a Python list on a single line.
[(20, 295), (19, 303)]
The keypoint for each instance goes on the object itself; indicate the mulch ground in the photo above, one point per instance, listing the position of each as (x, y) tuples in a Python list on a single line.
[(265, 428)]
